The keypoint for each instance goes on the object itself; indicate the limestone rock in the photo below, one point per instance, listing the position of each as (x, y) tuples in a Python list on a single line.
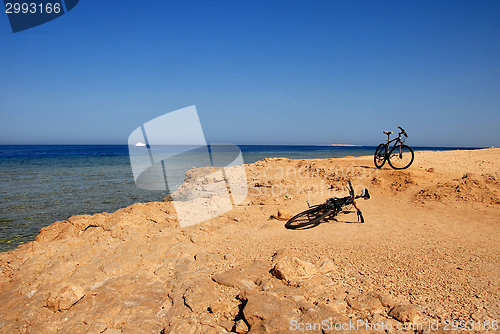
[(137, 271), (60, 300), (285, 252), (337, 305), (97, 328), (266, 313), (228, 308), (384, 298), (316, 315), (200, 295), (364, 302), (293, 270), (244, 278), (50, 233), (192, 326)]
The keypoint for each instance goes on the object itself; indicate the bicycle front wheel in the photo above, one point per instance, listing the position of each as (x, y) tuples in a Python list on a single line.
[(310, 217), (380, 154), (401, 157)]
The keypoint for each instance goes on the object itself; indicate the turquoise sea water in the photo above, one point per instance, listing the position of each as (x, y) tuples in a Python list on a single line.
[(43, 184)]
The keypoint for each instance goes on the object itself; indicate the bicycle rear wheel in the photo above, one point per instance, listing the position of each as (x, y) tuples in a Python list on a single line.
[(311, 217), (401, 157), (380, 154)]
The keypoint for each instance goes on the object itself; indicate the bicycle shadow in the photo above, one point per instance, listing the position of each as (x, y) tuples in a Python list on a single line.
[(335, 219), (367, 167), (329, 220)]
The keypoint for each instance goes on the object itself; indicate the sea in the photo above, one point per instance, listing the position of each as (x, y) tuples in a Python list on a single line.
[(41, 184)]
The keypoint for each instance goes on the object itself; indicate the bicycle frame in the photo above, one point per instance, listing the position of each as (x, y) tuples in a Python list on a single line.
[(397, 141)]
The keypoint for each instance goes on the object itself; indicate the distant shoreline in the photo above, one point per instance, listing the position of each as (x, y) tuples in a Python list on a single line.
[(349, 145)]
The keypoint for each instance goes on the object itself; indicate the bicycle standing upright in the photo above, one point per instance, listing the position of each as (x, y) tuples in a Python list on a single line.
[(399, 157)]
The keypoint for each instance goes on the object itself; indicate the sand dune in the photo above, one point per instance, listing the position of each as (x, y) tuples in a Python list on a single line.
[(428, 253)]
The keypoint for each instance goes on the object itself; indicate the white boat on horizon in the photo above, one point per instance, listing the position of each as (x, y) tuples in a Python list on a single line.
[(140, 144)]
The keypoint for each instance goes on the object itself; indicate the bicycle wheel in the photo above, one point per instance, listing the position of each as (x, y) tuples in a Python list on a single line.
[(380, 154), (401, 157), (310, 217)]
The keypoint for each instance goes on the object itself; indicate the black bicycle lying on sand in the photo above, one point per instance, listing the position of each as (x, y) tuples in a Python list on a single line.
[(331, 208), (399, 157)]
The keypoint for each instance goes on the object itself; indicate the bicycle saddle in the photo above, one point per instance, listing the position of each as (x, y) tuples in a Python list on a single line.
[(388, 132)]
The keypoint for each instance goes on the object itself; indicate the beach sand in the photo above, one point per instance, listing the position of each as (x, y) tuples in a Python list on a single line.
[(428, 253)]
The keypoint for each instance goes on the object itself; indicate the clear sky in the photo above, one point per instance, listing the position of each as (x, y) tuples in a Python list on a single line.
[(259, 72)]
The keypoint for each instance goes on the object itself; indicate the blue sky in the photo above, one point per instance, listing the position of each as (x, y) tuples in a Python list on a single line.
[(259, 72)]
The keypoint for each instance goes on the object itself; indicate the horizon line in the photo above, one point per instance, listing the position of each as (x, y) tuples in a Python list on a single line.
[(316, 145)]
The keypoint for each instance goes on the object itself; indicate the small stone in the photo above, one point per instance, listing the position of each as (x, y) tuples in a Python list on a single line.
[(479, 315), (241, 327), (326, 266), (405, 313), (230, 257), (284, 214)]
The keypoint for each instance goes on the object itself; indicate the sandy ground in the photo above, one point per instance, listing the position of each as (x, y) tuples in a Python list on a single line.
[(428, 253)]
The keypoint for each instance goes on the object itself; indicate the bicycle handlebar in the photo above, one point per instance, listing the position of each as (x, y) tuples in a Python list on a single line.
[(403, 131)]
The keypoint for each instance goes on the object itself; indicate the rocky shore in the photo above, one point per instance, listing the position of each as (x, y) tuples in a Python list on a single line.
[(427, 254)]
